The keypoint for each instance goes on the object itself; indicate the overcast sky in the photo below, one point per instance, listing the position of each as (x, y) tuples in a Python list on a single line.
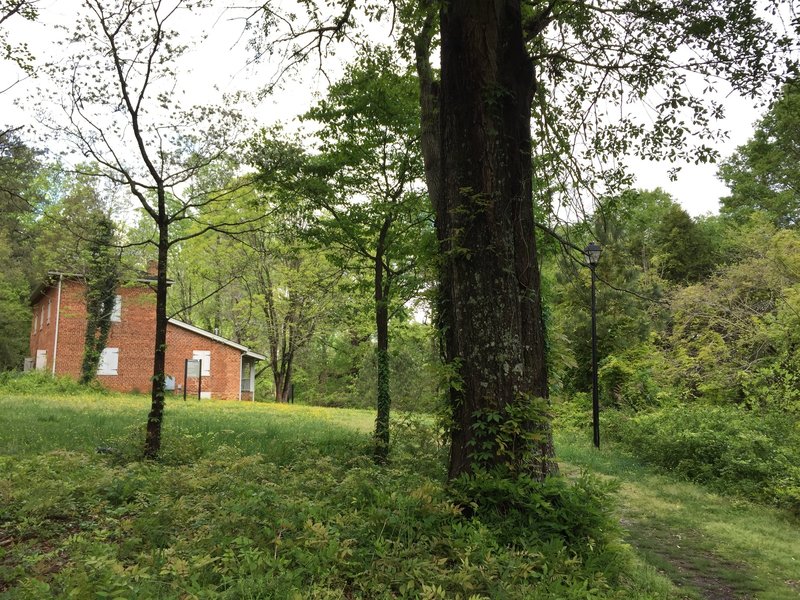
[(220, 65)]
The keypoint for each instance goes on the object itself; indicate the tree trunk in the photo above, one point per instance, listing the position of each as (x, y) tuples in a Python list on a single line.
[(484, 219), (282, 379), (154, 419), (277, 380), (382, 351), (282, 350), (430, 130)]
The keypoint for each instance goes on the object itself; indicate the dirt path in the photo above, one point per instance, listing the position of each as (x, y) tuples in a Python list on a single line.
[(710, 546), (683, 558)]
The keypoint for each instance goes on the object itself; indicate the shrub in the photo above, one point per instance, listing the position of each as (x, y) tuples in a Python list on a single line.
[(523, 512), (733, 450), (43, 382), (573, 412)]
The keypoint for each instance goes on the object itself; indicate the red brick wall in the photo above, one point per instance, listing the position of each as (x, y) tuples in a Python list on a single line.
[(42, 328), (134, 335), (224, 380)]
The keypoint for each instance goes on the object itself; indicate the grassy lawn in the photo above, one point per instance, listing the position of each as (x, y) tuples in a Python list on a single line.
[(276, 501), (269, 501), (711, 546), (30, 425)]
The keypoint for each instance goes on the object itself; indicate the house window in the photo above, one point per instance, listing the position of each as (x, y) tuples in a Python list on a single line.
[(35, 322), (116, 312), (205, 356), (41, 318), (109, 361), (49, 305)]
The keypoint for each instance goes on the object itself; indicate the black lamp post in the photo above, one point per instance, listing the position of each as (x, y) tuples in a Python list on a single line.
[(592, 258)]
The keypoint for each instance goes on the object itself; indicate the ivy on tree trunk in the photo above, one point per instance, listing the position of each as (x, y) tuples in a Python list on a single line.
[(382, 290), (158, 394), (102, 277)]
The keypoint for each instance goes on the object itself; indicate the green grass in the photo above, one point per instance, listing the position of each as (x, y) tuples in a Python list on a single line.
[(269, 501), (275, 501), (710, 545), (32, 424)]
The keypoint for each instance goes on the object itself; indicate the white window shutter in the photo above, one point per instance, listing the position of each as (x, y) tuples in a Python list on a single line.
[(116, 312), (109, 362), (205, 356), (41, 360)]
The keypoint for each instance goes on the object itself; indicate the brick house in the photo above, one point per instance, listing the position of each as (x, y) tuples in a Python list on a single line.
[(126, 365)]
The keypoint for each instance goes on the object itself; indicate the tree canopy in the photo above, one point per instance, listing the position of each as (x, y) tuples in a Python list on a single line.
[(763, 174)]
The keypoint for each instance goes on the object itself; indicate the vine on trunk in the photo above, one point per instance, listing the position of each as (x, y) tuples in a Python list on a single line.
[(102, 275)]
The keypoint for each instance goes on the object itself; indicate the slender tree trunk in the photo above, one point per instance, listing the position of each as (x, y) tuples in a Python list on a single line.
[(490, 284), (287, 376), (382, 351), (282, 378), (154, 419)]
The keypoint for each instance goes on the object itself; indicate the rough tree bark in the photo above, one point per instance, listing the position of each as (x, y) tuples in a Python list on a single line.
[(490, 291)]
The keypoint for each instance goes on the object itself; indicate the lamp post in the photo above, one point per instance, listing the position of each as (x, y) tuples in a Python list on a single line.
[(592, 258)]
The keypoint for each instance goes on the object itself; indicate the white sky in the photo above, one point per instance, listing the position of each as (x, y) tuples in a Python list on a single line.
[(220, 65)]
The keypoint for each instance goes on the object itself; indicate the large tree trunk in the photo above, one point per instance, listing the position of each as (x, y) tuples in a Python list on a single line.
[(154, 419), (491, 304)]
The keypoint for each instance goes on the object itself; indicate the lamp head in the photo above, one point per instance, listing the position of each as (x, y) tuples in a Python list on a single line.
[(593, 254)]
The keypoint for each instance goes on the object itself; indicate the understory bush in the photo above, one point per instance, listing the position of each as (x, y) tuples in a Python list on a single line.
[(524, 512), (44, 383), (753, 454), (230, 524), (634, 378)]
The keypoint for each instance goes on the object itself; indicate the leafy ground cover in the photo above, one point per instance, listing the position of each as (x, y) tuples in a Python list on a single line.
[(711, 546), (275, 501)]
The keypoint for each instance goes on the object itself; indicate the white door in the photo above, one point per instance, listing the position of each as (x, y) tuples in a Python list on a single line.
[(41, 360)]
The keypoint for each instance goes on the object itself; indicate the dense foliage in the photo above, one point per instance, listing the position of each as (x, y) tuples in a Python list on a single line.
[(762, 175), (698, 322), (19, 166), (729, 449)]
